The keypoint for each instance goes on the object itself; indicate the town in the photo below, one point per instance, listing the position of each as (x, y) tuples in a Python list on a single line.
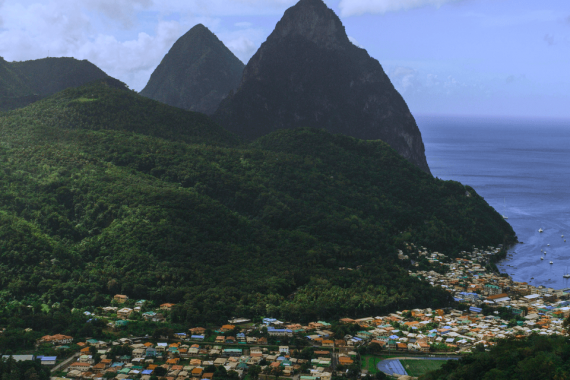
[(490, 307)]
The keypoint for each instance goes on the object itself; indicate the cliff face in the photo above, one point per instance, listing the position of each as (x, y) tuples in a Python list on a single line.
[(196, 74), (308, 74)]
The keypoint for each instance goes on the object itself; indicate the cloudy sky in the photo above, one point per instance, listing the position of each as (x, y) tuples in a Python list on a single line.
[(446, 57)]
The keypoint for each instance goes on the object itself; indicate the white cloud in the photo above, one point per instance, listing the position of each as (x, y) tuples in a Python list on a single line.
[(244, 42), (243, 24), (354, 41), (218, 8), (358, 7), (119, 10)]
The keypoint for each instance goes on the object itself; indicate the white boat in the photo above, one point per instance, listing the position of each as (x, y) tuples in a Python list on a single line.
[(548, 245), (540, 230), (551, 262), (504, 206), (562, 235), (542, 258), (567, 275)]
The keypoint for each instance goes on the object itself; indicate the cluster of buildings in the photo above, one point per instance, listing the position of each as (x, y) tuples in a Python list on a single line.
[(183, 360), (524, 309)]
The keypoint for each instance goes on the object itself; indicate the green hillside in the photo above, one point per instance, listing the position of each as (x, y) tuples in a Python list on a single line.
[(536, 357), (23, 83), (104, 191)]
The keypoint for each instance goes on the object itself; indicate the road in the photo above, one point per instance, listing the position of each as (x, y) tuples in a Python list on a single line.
[(65, 363)]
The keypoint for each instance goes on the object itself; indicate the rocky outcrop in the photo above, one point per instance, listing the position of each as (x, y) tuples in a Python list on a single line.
[(309, 74), (196, 74)]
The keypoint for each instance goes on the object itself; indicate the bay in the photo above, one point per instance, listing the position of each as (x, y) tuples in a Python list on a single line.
[(522, 168)]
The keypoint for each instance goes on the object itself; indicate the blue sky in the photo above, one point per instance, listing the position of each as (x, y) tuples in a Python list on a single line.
[(447, 57)]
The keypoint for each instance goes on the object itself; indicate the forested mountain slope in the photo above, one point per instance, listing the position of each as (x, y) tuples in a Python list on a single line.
[(95, 200), (22, 83)]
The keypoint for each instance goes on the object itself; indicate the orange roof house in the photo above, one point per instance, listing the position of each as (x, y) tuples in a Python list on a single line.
[(345, 360), (197, 371)]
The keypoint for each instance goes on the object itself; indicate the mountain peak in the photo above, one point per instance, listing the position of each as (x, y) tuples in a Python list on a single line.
[(196, 74), (314, 21), (309, 74)]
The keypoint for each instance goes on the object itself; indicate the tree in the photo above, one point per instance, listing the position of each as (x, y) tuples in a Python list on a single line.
[(254, 372), (160, 371)]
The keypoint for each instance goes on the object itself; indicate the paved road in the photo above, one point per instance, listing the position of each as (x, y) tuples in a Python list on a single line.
[(65, 363)]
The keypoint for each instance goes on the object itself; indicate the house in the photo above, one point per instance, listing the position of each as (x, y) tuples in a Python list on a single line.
[(150, 351), (284, 350), (47, 360), (262, 340), (124, 313), (56, 339), (328, 343), (167, 306), (197, 372), (19, 358), (140, 303), (99, 367), (198, 330), (82, 367), (279, 332), (424, 347), (120, 298), (345, 360), (139, 353)]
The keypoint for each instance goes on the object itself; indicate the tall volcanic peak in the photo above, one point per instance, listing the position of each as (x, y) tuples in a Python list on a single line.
[(309, 74), (198, 72)]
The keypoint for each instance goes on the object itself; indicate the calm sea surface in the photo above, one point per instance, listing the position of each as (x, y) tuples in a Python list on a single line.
[(522, 169)]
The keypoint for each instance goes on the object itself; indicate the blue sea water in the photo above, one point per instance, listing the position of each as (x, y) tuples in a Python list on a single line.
[(522, 169)]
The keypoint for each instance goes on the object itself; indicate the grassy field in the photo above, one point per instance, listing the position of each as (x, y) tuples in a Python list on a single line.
[(369, 363), (417, 368)]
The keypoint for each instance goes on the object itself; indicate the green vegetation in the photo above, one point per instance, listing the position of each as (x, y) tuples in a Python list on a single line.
[(26, 370), (369, 363), (416, 368), (127, 195), (536, 357), (22, 83)]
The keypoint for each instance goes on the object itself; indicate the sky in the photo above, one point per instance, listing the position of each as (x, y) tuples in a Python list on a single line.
[(499, 58)]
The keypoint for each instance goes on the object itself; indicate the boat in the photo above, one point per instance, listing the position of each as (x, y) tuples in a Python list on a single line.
[(551, 262), (567, 275), (540, 230), (562, 236), (542, 258), (548, 245)]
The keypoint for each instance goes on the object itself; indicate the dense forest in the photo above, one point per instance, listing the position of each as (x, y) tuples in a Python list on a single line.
[(536, 357), (103, 191), (25, 370)]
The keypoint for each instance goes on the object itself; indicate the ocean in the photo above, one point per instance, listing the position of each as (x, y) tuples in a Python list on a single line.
[(522, 168)]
